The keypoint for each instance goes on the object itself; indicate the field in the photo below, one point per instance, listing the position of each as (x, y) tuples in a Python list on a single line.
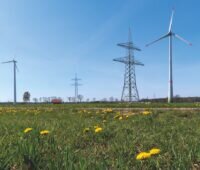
[(80, 138)]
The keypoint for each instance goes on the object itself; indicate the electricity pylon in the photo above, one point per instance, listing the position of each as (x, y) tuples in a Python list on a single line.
[(130, 91), (76, 84)]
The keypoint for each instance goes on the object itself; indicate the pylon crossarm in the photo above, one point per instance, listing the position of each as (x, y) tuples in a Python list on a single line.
[(128, 45), (125, 60), (138, 63)]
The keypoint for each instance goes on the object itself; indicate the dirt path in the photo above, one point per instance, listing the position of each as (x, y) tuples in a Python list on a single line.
[(142, 109)]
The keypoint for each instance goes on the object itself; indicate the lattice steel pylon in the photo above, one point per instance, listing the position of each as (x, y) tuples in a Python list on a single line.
[(76, 84), (130, 91)]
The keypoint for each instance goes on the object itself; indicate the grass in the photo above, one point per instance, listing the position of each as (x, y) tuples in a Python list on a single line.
[(116, 105), (67, 146)]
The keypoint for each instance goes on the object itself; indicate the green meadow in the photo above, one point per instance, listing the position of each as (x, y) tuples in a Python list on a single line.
[(72, 140)]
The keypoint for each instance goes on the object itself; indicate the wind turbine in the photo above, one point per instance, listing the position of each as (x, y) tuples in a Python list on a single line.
[(14, 71), (170, 34)]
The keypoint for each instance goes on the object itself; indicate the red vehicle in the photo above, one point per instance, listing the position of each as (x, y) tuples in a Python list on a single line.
[(56, 101)]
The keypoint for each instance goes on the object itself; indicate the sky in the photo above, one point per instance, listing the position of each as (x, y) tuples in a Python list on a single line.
[(54, 39)]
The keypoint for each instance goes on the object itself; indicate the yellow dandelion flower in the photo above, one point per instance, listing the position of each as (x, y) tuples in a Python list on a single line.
[(97, 130), (154, 151), (146, 113), (120, 118), (28, 130), (108, 110), (86, 130), (44, 132), (143, 155), (127, 116)]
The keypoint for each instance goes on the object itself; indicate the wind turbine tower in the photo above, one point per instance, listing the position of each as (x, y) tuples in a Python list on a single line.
[(130, 91), (170, 35), (14, 72), (76, 84)]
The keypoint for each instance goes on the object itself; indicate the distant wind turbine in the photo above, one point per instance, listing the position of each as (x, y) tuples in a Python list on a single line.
[(170, 34), (14, 71)]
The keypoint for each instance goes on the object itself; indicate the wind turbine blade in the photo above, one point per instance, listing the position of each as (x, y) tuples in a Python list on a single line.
[(6, 62), (157, 40), (182, 39), (171, 21)]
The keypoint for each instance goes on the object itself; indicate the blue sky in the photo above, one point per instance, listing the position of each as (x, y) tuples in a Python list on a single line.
[(54, 39)]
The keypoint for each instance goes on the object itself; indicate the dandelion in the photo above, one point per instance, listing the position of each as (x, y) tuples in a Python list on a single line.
[(154, 151), (86, 130), (143, 155), (104, 121), (28, 130), (127, 116), (146, 113), (44, 132), (108, 110), (120, 118), (99, 129)]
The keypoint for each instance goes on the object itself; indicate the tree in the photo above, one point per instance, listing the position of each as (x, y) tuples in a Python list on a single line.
[(111, 99), (80, 97), (49, 99), (73, 99), (45, 99), (70, 99), (40, 99), (177, 96), (104, 99), (35, 100), (26, 96)]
